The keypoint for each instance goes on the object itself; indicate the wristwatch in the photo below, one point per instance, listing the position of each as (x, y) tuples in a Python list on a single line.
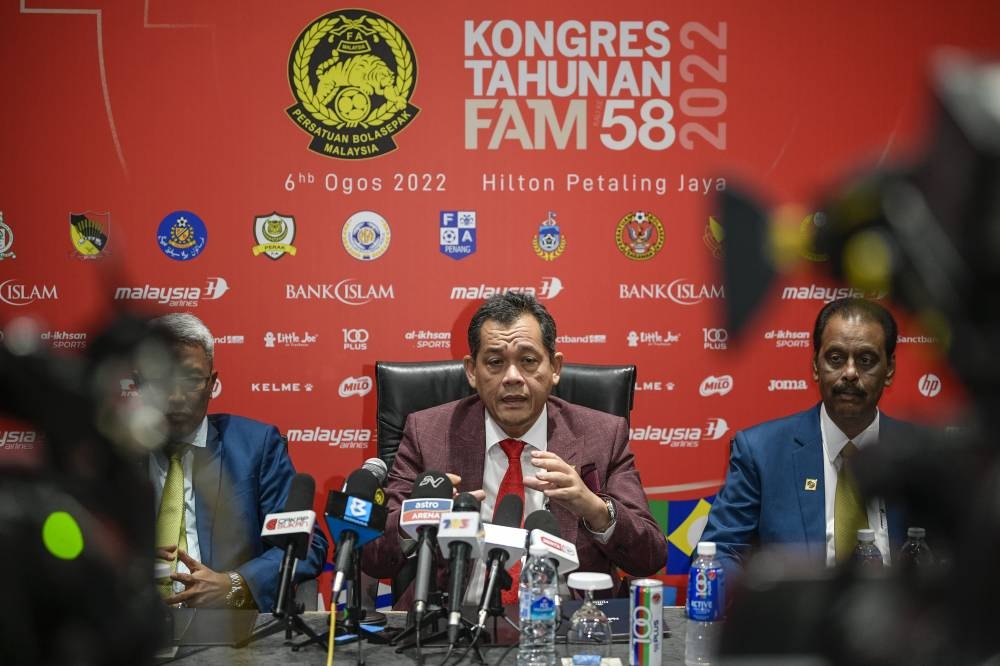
[(612, 514), (237, 595)]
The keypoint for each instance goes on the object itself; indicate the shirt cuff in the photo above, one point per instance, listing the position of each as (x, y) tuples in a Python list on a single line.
[(605, 536)]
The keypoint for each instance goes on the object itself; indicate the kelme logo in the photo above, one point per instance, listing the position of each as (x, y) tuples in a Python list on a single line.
[(352, 73)]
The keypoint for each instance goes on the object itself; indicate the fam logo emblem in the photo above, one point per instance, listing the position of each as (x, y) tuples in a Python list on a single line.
[(457, 233), (352, 73), (639, 235), (274, 234), (182, 235), (6, 240), (549, 243), (89, 233), (366, 235)]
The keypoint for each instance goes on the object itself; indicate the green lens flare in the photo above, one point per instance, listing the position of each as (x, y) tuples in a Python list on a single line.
[(62, 536)]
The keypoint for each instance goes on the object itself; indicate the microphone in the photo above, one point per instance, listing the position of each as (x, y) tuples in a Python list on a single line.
[(292, 530), (356, 515), (544, 529), (460, 537), (504, 545), (419, 517)]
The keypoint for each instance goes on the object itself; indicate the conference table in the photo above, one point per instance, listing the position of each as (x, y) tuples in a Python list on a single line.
[(273, 649)]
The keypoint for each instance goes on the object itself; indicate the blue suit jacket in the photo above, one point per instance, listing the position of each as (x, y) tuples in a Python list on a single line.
[(241, 475), (765, 501)]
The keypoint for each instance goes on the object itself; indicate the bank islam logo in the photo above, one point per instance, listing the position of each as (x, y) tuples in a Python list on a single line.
[(345, 438), (182, 235), (348, 291), (185, 297), (549, 289), (274, 234), (680, 291), (351, 386), (366, 235), (6, 240), (682, 437), (292, 339), (712, 385), (549, 243), (457, 233), (352, 73), (652, 338), (929, 385), (88, 232), (16, 293), (639, 235)]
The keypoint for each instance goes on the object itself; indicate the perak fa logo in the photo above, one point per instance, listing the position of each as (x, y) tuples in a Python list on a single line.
[(274, 234), (6, 240), (366, 235), (352, 73), (549, 243), (181, 235), (89, 234), (639, 235), (713, 237), (457, 233)]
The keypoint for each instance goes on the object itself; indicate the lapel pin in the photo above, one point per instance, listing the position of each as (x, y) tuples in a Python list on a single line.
[(811, 484)]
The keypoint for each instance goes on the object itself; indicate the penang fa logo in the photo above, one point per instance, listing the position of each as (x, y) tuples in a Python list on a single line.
[(352, 73)]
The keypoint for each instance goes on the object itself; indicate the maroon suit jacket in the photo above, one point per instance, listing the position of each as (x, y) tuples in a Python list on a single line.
[(451, 438)]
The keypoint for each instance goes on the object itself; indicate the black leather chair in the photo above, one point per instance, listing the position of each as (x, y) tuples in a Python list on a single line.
[(404, 387)]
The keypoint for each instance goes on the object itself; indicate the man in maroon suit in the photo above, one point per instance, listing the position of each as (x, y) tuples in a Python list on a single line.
[(513, 366)]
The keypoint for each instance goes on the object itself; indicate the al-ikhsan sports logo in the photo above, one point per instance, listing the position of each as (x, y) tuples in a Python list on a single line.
[(352, 73)]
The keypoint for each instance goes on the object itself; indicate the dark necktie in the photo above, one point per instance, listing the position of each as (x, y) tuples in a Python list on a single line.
[(512, 484)]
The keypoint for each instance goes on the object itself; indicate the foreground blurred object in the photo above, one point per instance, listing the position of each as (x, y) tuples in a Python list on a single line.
[(928, 236), (75, 536)]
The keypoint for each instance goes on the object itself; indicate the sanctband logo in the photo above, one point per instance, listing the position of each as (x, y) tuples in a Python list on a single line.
[(549, 289), (712, 385), (351, 386), (584, 339), (683, 436), (787, 385), (680, 291), (187, 297), (348, 292), (16, 293), (344, 438)]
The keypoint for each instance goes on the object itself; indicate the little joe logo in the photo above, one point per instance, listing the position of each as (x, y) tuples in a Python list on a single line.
[(352, 73)]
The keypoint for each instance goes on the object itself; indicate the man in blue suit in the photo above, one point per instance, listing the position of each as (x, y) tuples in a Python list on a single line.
[(782, 480), (235, 472)]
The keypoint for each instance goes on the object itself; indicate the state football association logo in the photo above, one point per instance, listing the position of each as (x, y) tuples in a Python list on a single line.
[(352, 73), (89, 234), (639, 235), (274, 234), (549, 243)]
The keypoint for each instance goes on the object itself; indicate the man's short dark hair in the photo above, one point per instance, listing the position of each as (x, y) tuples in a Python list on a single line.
[(507, 308), (863, 309)]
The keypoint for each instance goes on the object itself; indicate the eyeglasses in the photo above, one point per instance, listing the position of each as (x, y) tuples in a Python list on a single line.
[(187, 383)]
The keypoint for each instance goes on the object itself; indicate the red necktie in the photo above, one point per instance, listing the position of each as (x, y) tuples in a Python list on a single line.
[(512, 484)]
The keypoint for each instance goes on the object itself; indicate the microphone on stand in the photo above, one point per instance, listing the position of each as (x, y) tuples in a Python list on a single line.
[(460, 537), (543, 528), (292, 530), (504, 545), (356, 515), (419, 518)]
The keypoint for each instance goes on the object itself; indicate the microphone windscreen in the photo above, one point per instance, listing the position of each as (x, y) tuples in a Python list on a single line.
[(378, 469), (542, 520), (301, 493), (465, 502), (432, 484), (361, 484), (509, 511)]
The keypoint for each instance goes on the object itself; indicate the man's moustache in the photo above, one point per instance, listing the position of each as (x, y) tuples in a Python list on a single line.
[(847, 390)]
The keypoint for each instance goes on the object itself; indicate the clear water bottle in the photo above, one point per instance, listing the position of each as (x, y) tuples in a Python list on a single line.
[(915, 553), (866, 553), (538, 594), (706, 601), (589, 637)]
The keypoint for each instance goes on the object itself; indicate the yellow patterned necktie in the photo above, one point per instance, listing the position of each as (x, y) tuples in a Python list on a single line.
[(170, 524), (849, 512)]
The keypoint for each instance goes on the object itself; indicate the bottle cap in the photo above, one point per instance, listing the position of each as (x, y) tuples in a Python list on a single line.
[(916, 532), (866, 535), (706, 548), (538, 549), (586, 580)]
